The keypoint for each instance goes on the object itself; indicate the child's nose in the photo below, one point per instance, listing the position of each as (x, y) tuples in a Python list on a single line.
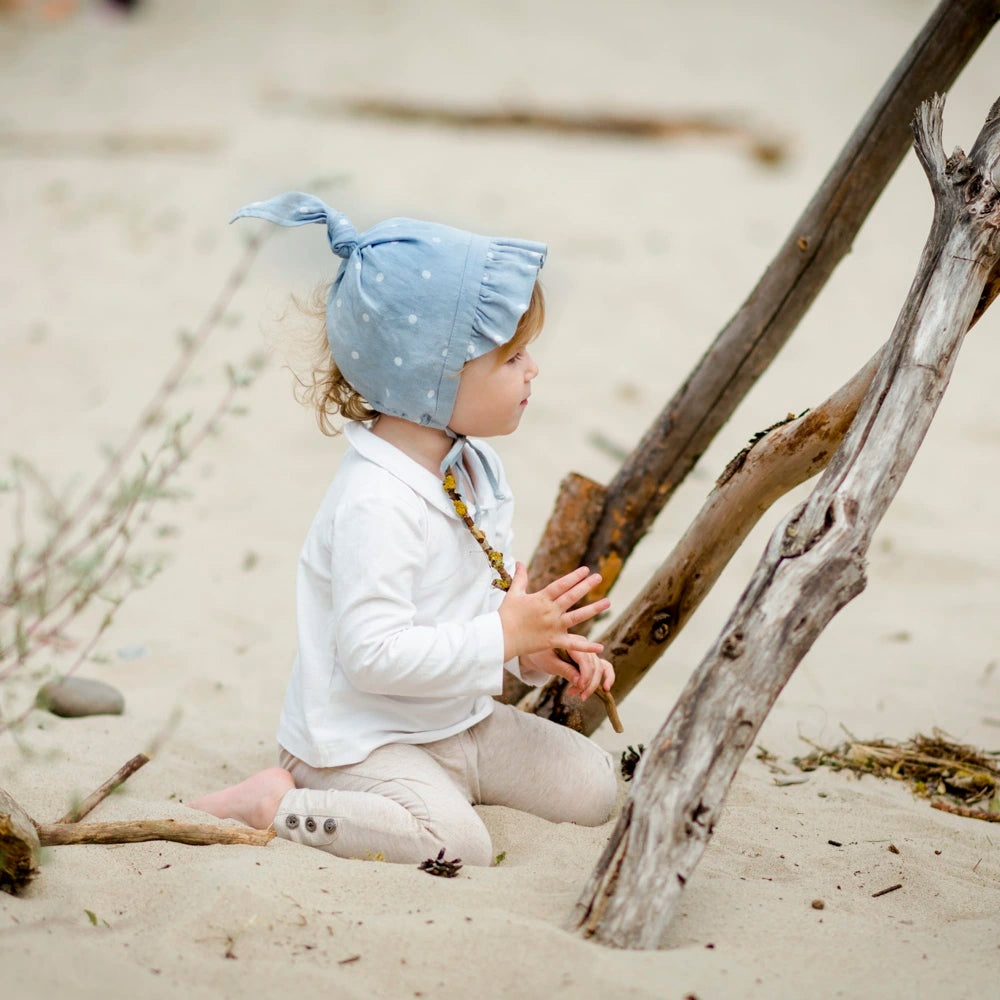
[(532, 370)]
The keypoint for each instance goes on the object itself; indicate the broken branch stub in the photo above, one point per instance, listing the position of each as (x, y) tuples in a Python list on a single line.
[(19, 846), (813, 564)]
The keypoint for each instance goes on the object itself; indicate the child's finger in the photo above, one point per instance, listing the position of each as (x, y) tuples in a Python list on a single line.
[(557, 588), (564, 669), (577, 591), (578, 615), (574, 643), (519, 581)]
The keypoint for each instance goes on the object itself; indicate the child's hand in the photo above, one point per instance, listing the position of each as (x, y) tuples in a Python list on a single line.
[(542, 621), (593, 672), (585, 676)]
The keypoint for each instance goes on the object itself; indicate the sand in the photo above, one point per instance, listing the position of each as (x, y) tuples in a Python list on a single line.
[(126, 144)]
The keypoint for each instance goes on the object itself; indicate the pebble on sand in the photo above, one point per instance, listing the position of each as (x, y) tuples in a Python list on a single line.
[(74, 697)]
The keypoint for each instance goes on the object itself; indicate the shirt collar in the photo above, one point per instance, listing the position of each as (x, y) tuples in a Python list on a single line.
[(422, 481)]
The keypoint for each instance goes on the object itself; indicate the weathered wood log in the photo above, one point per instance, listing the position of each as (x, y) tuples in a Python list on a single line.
[(813, 565), (137, 831), (817, 242), (19, 846), (577, 507)]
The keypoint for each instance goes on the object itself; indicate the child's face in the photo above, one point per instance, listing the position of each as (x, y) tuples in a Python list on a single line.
[(493, 393)]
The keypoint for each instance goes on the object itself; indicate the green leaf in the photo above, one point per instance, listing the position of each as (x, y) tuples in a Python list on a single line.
[(92, 916)]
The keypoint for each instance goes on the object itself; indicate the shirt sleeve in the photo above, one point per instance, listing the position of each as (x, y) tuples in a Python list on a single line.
[(379, 557), (533, 677)]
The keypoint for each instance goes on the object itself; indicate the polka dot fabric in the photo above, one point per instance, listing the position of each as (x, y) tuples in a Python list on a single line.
[(413, 301)]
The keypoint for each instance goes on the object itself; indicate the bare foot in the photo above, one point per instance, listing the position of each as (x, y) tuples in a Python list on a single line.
[(254, 801)]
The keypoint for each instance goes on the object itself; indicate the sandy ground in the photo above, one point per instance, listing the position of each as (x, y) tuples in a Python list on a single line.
[(125, 145)]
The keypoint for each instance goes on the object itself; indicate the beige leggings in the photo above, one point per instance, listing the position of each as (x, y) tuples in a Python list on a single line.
[(408, 801)]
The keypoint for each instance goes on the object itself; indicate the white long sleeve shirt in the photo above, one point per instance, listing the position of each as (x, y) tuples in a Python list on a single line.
[(399, 636)]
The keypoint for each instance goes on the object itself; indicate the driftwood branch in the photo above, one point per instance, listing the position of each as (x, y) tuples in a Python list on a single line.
[(813, 565), (817, 242), (21, 838), (115, 781), (136, 831)]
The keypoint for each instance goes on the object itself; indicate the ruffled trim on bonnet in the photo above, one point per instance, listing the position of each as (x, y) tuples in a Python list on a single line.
[(510, 271)]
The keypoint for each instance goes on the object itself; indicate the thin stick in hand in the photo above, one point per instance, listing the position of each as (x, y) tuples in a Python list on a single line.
[(611, 708)]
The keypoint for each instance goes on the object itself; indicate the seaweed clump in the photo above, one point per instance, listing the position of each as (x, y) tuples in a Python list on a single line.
[(933, 766)]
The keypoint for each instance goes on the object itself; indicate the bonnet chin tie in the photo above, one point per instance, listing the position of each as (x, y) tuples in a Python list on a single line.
[(297, 209), (452, 462)]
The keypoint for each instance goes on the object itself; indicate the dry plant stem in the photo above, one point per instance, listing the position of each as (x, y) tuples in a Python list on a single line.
[(948, 807), (813, 564), (124, 533), (819, 239), (137, 831), (149, 414), (787, 456), (115, 781)]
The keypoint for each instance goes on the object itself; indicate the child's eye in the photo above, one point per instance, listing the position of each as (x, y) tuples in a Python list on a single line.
[(514, 357)]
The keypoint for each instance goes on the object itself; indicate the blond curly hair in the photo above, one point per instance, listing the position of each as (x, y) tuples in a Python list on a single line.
[(326, 390)]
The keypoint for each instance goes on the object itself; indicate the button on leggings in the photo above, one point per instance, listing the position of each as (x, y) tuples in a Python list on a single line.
[(406, 801)]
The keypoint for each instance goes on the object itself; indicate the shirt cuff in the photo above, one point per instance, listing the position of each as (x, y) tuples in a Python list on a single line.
[(533, 677)]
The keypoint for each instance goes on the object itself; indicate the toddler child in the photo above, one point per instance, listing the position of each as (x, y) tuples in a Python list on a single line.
[(406, 611)]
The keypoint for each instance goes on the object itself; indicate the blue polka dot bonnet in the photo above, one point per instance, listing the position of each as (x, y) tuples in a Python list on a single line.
[(412, 302)]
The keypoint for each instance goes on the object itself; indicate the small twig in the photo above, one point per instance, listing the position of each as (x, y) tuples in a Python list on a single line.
[(892, 888), (967, 812), (137, 831), (116, 780), (494, 558), (611, 708)]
